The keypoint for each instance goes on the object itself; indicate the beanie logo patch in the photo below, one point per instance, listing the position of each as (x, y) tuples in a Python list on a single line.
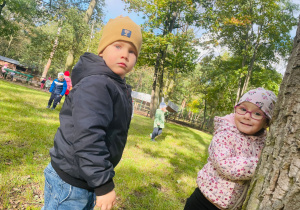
[(126, 32)]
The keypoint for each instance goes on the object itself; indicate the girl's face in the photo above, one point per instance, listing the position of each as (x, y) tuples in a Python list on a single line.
[(245, 123)]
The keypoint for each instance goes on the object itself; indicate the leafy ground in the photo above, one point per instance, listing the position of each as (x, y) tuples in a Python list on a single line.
[(151, 175)]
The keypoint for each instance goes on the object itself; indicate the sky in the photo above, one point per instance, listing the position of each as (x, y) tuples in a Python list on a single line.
[(115, 8)]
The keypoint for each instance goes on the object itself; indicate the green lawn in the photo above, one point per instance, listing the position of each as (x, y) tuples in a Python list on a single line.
[(151, 175)]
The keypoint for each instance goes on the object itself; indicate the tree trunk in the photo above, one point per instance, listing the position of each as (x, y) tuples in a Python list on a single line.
[(204, 115), (2, 6), (250, 68), (51, 54), (276, 184), (9, 44), (155, 77), (69, 61), (87, 17), (91, 36), (89, 11), (168, 27)]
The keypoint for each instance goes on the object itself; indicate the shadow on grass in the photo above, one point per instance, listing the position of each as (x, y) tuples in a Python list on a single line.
[(149, 190)]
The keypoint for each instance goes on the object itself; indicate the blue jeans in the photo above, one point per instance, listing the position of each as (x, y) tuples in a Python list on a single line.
[(54, 97), (62, 196), (156, 131)]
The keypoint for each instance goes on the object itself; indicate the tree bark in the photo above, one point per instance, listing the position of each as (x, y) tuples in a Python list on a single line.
[(276, 184)]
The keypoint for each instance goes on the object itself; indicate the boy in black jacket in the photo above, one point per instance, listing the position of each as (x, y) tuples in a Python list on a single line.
[(94, 123)]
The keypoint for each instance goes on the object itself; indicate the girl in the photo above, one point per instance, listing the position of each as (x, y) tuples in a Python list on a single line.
[(234, 153)]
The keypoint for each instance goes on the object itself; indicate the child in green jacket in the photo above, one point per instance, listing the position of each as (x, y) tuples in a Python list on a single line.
[(159, 121)]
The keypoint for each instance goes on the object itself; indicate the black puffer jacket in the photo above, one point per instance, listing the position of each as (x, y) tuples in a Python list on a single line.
[(94, 123)]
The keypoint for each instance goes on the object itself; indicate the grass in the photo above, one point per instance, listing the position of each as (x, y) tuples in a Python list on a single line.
[(151, 175)]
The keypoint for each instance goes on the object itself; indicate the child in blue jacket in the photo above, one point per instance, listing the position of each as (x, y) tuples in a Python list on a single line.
[(57, 90)]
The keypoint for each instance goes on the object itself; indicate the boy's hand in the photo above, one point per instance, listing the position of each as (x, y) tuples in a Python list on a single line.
[(60, 95), (107, 201)]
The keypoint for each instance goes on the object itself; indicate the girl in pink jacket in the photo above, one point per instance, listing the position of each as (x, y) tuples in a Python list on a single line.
[(234, 153), (69, 82)]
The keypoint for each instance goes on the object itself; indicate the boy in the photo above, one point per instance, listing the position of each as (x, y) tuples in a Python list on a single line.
[(94, 123), (159, 121), (57, 90)]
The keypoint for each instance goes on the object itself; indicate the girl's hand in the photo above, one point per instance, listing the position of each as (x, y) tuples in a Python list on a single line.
[(107, 201)]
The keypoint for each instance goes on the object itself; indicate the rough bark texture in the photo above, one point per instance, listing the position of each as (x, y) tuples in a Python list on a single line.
[(276, 184)]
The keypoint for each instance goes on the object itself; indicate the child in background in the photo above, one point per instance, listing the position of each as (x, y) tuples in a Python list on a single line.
[(57, 90), (12, 74), (234, 153), (94, 123), (4, 73), (159, 121), (48, 83), (69, 82), (43, 83)]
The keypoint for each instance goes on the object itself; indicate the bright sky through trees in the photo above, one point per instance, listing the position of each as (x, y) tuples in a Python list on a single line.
[(115, 8)]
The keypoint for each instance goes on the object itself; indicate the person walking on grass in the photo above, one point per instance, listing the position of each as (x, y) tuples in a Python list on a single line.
[(94, 123), (57, 90), (159, 121), (43, 83), (69, 82), (234, 153), (4, 73), (48, 83), (12, 74)]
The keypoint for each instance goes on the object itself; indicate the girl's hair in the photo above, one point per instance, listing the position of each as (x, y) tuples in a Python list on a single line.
[(264, 99)]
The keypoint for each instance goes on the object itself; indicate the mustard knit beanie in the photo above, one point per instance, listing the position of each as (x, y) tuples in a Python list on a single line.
[(121, 28)]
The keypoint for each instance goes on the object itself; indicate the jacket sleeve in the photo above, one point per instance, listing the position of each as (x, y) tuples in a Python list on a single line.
[(52, 86), (65, 86), (227, 162), (92, 113)]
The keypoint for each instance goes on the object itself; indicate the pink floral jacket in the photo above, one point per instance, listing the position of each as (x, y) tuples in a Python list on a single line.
[(232, 160)]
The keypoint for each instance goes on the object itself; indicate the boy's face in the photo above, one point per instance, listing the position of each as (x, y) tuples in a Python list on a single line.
[(120, 57)]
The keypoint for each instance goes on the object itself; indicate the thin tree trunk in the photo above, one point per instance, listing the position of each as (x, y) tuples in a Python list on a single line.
[(247, 79), (250, 68), (91, 36), (155, 77), (2, 6), (276, 184), (9, 44), (204, 114), (52, 53), (89, 11)]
